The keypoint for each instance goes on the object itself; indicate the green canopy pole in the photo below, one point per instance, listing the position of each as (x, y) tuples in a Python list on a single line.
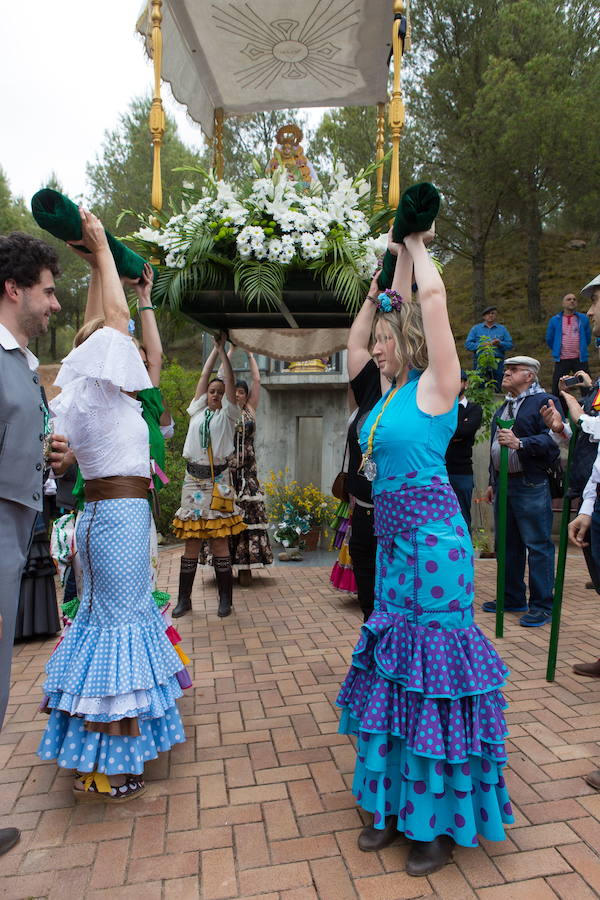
[(501, 530), (560, 563)]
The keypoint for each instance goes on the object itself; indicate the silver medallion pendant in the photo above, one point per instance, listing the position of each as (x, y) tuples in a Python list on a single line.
[(370, 469)]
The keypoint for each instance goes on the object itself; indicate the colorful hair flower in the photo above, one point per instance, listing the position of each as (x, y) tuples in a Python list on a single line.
[(389, 300)]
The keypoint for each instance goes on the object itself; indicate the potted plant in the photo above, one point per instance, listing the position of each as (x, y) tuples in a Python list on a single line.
[(307, 502), (290, 531)]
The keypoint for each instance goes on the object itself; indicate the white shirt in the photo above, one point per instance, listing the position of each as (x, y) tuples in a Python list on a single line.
[(103, 425), (9, 342), (591, 426), (222, 426)]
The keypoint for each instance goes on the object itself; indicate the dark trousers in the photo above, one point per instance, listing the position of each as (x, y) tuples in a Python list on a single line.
[(462, 485), (592, 553), (528, 538), (16, 527), (566, 367), (363, 550)]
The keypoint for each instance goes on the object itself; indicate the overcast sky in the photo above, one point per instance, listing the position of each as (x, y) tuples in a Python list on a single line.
[(67, 69)]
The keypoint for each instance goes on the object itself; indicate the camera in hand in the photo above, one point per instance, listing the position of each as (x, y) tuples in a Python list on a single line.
[(572, 380)]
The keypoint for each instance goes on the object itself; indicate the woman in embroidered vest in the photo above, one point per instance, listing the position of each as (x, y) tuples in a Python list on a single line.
[(213, 415), (423, 694), (113, 680)]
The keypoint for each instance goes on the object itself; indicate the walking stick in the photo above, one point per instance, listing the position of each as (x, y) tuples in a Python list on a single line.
[(560, 563), (501, 530)]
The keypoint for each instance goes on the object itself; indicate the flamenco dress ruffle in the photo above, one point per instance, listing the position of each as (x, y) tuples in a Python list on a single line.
[(116, 661), (342, 574), (423, 695)]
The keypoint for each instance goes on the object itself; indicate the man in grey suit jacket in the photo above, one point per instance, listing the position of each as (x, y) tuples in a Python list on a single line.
[(27, 300)]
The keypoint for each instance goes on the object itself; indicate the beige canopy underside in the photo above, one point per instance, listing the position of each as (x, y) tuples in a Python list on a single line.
[(292, 344), (249, 55)]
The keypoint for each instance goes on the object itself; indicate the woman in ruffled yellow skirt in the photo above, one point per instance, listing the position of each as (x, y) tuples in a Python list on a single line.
[(207, 484)]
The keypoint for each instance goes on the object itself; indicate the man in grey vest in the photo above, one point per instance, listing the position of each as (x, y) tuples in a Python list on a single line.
[(27, 300)]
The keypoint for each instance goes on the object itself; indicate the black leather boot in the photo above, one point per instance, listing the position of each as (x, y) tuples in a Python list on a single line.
[(187, 573), (372, 838), (426, 857), (224, 577)]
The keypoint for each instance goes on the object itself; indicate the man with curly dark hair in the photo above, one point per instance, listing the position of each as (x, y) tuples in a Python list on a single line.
[(28, 267)]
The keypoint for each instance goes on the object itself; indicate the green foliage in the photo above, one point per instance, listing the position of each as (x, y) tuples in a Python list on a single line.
[(259, 283), (339, 274), (14, 215), (482, 387)]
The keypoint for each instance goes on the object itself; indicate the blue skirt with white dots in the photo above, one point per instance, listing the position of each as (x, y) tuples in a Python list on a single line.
[(115, 661)]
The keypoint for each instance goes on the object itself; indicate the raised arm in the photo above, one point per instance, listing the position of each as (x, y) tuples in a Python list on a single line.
[(150, 334), (440, 382), (359, 336), (114, 304), (207, 369), (254, 395), (93, 306), (228, 376)]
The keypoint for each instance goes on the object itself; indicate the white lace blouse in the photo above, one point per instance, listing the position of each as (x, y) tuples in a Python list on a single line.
[(222, 427), (104, 426)]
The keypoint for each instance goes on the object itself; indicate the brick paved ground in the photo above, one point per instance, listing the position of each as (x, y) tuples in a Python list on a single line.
[(256, 803)]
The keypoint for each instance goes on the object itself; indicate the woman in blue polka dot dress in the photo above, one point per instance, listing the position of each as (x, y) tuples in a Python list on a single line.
[(423, 694), (112, 682)]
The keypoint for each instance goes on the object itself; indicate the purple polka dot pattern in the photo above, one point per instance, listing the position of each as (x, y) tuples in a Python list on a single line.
[(422, 697)]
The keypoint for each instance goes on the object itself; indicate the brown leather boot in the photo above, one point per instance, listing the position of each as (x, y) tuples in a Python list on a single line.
[(590, 669), (187, 573), (426, 857), (371, 838)]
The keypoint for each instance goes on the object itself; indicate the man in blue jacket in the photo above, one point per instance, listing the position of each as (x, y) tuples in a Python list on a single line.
[(531, 453), (568, 335), (490, 333)]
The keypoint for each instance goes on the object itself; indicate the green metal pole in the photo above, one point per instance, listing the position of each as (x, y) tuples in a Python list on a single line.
[(501, 530), (560, 564)]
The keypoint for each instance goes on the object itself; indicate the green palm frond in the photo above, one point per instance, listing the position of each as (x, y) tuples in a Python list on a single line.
[(259, 282), (339, 274)]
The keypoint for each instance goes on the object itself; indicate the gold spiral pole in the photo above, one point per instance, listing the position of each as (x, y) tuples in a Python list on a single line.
[(379, 153), (396, 107), (219, 161), (157, 114)]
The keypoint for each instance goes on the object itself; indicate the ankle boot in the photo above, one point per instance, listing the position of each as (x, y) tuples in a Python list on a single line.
[(372, 838), (426, 857), (187, 573), (224, 577)]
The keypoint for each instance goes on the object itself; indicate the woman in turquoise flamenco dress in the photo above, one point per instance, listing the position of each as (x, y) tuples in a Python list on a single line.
[(422, 696)]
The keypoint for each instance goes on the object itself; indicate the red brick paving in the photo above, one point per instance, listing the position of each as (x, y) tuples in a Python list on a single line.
[(257, 804)]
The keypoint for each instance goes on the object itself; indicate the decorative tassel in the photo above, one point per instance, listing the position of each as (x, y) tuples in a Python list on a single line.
[(99, 779)]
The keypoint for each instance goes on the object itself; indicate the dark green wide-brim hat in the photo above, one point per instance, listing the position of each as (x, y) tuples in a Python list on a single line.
[(58, 215), (418, 207)]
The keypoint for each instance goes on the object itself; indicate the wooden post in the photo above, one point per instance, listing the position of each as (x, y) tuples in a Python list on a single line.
[(396, 107), (157, 114), (379, 153), (219, 161)]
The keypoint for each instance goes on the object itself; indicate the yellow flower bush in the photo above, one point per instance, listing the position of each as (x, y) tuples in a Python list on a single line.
[(307, 500)]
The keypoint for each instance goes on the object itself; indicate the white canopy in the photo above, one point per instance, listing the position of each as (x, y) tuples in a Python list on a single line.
[(251, 55)]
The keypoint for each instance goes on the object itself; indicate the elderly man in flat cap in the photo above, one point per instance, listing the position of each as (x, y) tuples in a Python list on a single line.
[(490, 333), (531, 453)]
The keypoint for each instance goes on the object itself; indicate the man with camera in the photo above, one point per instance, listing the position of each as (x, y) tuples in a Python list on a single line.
[(531, 453), (568, 335)]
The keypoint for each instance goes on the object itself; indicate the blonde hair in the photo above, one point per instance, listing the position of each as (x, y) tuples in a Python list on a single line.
[(406, 326), (86, 330)]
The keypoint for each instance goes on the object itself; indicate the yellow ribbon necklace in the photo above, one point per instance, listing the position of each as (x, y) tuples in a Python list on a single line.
[(368, 465)]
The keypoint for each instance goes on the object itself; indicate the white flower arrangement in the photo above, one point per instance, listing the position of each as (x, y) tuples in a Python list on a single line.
[(276, 222)]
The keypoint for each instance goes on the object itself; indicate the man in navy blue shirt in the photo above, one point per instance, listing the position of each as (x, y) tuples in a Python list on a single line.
[(531, 453), (568, 335), (490, 334)]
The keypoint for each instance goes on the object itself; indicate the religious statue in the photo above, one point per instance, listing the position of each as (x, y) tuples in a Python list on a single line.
[(289, 153)]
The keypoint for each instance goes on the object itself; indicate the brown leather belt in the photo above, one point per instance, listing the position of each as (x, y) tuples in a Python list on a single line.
[(117, 487)]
